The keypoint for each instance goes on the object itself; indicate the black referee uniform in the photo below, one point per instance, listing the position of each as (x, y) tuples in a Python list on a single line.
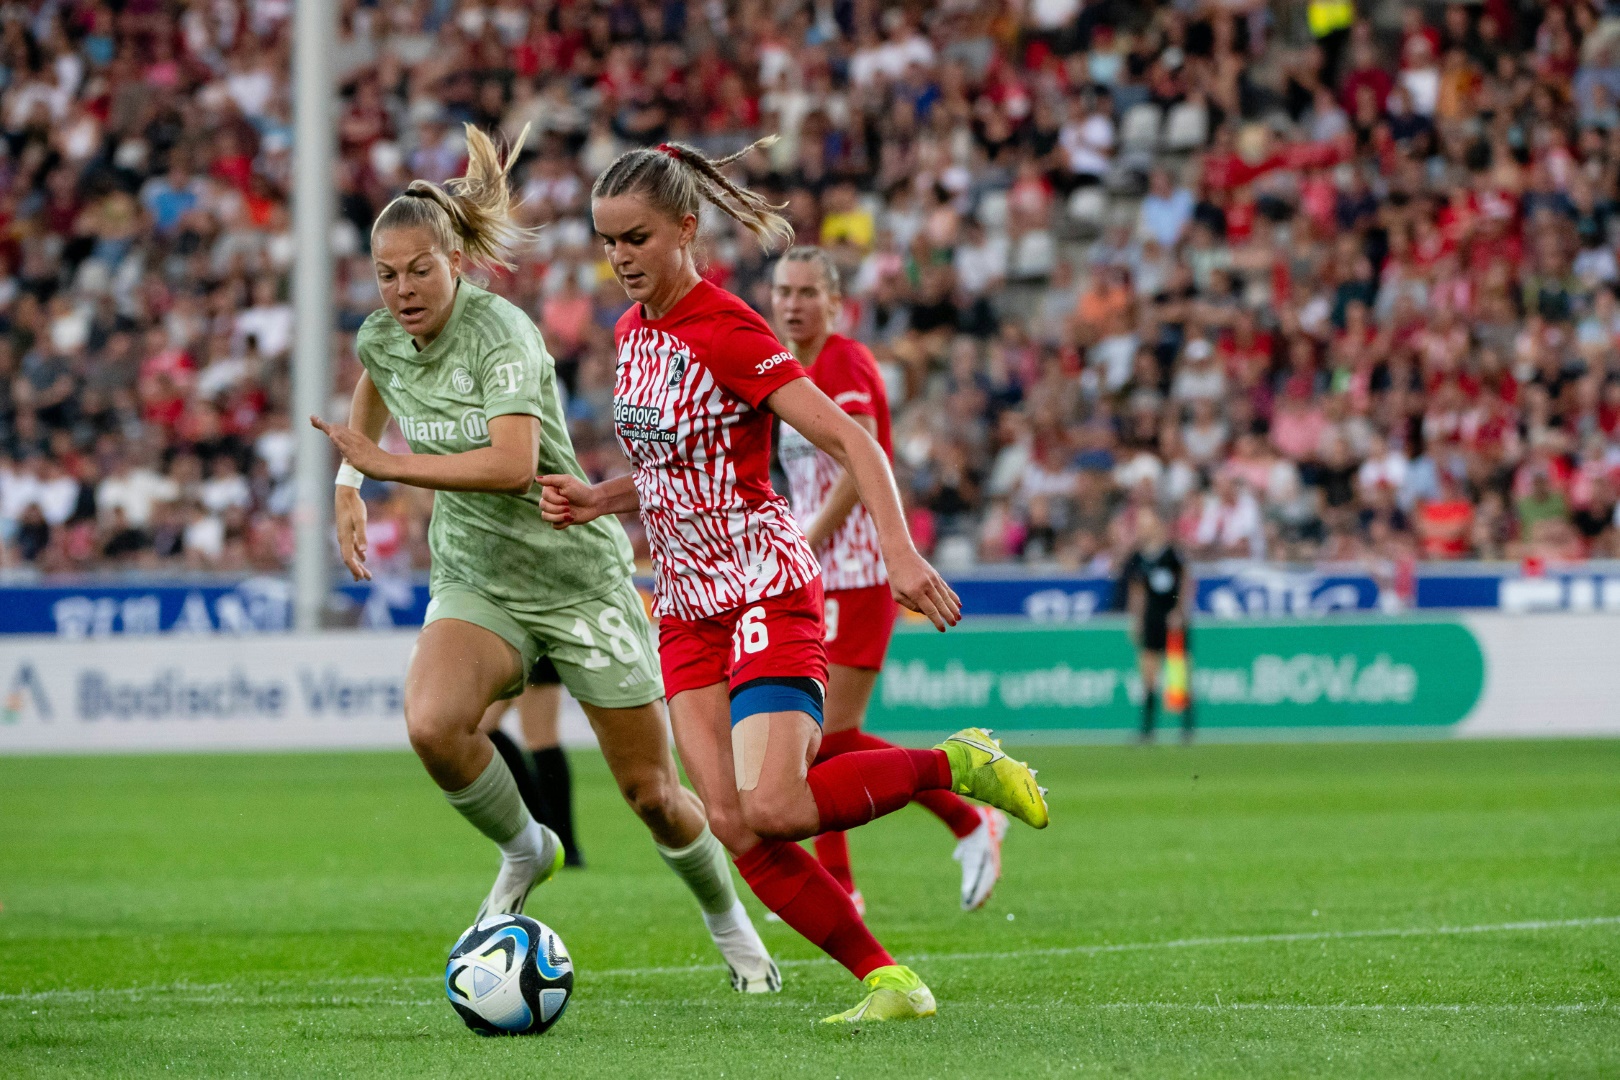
[(1161, 577)]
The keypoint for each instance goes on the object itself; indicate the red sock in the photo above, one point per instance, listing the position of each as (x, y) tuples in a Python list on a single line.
[(832, 852), (852, 789), (956, 812), (794, 885), (960, 817), (842, 742)]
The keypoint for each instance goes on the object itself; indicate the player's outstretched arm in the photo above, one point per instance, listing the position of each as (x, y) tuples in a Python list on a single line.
[(567, 500), (505, 466), (813, 414), (349, 514), (368, 414)]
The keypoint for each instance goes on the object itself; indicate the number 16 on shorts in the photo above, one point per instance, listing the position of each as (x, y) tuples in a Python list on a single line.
[(780, 636), (774, 636), (751, 635)]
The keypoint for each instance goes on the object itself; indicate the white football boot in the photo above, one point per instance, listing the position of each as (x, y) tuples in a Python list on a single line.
[(979, 852), (519, 876), (752, 969)]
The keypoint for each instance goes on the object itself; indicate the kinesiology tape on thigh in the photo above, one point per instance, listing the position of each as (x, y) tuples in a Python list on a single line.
[(751, 706)]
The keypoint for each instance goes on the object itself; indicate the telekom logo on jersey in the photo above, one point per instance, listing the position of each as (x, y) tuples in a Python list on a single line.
[(511, 377), (511, 374)]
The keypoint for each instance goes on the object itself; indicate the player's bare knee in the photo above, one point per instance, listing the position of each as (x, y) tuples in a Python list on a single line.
[(429, 744), (771, 823), (730, 828), (653, 797), (436, 734), (777, 817)]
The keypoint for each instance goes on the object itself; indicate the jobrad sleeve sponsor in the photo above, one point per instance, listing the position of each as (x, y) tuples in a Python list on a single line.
[(750, 362)]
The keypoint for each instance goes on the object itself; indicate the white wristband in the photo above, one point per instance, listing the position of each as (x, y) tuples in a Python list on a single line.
[(349, 476)]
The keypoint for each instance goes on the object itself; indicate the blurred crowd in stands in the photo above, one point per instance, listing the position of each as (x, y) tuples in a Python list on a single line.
[(1324, 282)]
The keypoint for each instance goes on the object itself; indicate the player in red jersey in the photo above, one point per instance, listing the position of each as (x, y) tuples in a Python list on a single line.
[(738, 590), (860, 613)]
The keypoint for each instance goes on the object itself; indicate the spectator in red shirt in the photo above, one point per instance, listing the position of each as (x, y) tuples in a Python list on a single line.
[(1366, 70), (1445, 524), (158, 214)]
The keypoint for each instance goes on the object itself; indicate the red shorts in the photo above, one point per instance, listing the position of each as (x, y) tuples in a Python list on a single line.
[(780, 636), (859, 625)]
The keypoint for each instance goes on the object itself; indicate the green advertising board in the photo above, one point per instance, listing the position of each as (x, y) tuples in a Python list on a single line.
[(1344, 673)]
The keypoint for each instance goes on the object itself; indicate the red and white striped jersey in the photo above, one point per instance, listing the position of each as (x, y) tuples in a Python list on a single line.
[(687, 408), (846, 372)]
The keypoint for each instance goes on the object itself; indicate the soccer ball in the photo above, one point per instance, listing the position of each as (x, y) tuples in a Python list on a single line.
[(509, 975)]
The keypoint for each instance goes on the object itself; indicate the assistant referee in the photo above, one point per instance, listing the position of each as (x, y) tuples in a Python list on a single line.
[(1159, 601)]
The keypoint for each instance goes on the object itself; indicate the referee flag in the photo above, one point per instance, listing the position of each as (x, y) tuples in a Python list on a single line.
[(1175, 671)]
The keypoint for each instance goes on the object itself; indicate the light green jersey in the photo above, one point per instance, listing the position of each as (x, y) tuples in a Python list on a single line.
[(489, 361)]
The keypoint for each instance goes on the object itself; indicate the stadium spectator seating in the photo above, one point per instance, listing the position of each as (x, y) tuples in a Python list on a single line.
[(1322, 290)]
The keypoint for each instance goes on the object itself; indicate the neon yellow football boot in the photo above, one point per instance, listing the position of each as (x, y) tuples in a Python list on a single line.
[(896, 993), (981, 770)]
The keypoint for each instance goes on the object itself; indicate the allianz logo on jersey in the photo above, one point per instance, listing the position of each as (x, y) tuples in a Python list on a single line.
[(473, 427)]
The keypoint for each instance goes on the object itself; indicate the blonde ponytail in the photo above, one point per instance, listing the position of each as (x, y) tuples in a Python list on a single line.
[(678, 179), (471, 213)]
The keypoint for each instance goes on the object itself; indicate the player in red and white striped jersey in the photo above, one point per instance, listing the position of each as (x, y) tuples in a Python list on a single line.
[(737, 587), (684, 408), (860, 613)]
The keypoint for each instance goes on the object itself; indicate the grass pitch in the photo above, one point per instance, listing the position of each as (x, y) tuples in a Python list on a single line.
[(1441, 909)]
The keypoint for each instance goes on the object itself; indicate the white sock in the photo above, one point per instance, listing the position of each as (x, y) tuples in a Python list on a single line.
[(726, 920), (529, 843), (734, 930)]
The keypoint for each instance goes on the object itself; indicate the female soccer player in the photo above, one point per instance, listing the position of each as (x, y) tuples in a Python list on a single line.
[(473, 389), (859, 612), (738, 590)]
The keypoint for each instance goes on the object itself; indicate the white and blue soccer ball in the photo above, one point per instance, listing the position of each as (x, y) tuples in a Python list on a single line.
[(509, 975)]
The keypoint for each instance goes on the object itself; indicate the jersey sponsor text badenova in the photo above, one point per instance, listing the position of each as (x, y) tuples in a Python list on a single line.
[(640, 422)]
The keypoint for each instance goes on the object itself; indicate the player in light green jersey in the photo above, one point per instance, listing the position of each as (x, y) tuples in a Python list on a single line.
[(467, 378)]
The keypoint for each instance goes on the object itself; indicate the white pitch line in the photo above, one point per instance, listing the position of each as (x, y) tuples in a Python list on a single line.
[(1419, 1007), (1529, 926), (1325, 935), (641, 1004), (1180, 943)]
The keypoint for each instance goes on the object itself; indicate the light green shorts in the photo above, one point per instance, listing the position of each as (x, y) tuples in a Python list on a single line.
[(602, 648)]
